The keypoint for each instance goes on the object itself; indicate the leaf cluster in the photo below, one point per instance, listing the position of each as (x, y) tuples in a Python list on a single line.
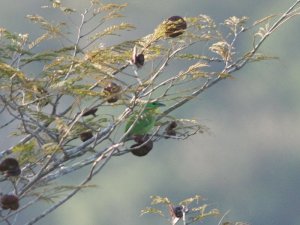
[(80, 72), (195, 210)]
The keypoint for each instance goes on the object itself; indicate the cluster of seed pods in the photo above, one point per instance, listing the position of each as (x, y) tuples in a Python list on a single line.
[(9, 167)]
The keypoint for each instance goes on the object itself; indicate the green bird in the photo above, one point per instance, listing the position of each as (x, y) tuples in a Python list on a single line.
[(146, 120)]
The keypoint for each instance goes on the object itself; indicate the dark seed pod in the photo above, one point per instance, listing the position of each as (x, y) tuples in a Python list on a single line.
[(139, 60), (143, 150), (113, 99), (91, 111), (175, 26), (140, 139), (170, 129), (41, 95), (178, 211), (146, 147), (172, 125), (171, 132), (84, 136), (112, 90), (10, 167), (10, 202)]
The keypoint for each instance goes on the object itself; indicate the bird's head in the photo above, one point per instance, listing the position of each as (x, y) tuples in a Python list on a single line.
[(154, 105)]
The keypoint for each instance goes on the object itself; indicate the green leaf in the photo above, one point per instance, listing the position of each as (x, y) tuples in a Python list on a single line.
[(112, 30), (195, 71), (193, 57), (9, 71), (111, 7), (188, 201), (52, 29), (50, 148), (85, 92), (259, 57), (222, 49), (267, 18), (235, 24), (203, 213), (46, 55), (152, 211), (225, 75), (38, 40), (26, 152), (159, 200)]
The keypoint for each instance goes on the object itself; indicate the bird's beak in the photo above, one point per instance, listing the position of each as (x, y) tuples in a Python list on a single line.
[(160, 104)]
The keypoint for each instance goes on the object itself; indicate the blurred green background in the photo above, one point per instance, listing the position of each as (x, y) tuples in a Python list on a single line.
[(248, 164)]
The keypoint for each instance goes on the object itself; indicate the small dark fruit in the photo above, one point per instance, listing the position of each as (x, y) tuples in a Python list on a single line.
[(140, 139), (171, 132), (143, 150), (84, 136), (40, 94), (170, 129), (10, 201), (91, 111), (145, 144), (113, 99), (112, 92), (139, 60), (175, 26), (172, 125), (178, 211), (10, 167), (113, 88)]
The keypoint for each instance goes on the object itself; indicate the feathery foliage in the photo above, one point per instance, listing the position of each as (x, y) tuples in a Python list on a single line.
[(47, 109)]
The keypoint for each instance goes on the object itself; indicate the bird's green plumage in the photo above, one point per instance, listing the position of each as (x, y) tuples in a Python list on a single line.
[(146, 120)]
